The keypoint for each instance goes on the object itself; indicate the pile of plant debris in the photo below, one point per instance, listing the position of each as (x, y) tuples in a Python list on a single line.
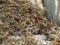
[(20, 23)]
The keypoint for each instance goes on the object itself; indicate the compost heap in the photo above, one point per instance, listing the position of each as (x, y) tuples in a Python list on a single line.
[(20, 23)]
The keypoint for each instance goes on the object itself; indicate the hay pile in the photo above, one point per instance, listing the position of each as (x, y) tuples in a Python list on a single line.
[(20, 20)]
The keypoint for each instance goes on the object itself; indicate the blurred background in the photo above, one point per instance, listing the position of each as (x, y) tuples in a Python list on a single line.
[(53, 10)]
